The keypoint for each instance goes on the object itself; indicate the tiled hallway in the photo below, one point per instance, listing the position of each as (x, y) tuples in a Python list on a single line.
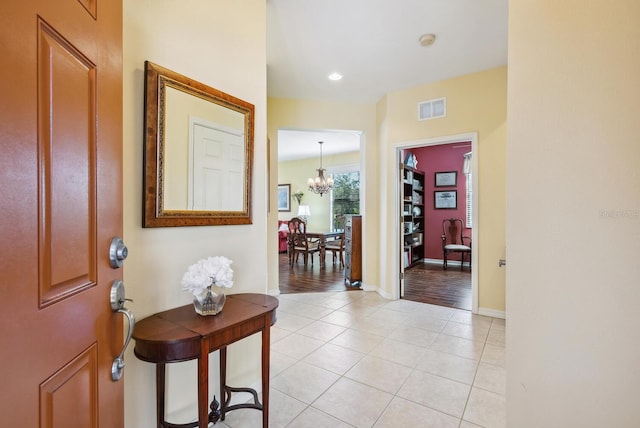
[(354, 359)]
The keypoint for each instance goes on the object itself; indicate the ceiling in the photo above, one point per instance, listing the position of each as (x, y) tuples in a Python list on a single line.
[(375, 45), (303, 144)]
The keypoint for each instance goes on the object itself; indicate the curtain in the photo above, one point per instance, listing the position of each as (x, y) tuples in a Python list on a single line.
[(466, 168)]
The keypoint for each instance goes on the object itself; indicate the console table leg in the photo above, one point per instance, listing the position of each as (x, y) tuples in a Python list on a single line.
[(160, 385), (203, 387), (223, 382), (266, 340)]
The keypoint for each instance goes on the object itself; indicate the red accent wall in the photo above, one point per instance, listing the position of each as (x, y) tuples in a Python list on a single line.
[(441, 158)]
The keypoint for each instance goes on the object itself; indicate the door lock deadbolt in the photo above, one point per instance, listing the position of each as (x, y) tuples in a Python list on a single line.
[(117, 252)]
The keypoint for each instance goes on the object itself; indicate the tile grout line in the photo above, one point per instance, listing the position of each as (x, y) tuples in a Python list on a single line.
[(376, 308)]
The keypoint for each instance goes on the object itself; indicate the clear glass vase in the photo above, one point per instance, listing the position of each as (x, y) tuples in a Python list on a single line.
[(209, 302)]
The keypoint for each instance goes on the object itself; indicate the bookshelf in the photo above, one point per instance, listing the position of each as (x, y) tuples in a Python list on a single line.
[(412, 216)]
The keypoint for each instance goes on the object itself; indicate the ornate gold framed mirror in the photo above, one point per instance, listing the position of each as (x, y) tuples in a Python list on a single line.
[(198, 153)]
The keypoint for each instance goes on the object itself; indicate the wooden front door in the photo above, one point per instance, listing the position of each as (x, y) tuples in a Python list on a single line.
[(61, 181)]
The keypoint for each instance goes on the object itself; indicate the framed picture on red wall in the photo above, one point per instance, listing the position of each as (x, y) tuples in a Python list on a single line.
[(446, 179), (445, 199)]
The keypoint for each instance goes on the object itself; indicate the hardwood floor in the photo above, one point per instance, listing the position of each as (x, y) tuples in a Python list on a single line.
[(310, 279), (425, 283), (429, 283)]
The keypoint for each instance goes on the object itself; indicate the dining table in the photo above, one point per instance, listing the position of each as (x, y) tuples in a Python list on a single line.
[(323, 237)]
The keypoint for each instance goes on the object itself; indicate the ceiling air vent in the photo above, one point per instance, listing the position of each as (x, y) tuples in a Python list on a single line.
[(432, 109)]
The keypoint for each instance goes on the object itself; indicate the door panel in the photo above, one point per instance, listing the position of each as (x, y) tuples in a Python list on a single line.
[(69, 398), (61, 181), (218, 167), (66, 110)]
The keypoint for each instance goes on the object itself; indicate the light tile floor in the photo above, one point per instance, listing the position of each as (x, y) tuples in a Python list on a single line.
[(355, 359)]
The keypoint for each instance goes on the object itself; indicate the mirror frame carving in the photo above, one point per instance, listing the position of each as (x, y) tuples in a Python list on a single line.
[(156, 79)]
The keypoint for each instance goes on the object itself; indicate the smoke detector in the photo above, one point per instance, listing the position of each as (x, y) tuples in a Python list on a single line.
[(427, 39)]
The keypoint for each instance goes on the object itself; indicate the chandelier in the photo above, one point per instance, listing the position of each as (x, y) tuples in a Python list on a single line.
[(320, 184)]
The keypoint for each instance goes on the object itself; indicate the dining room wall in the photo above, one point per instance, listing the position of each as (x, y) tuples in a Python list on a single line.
[(297, 172)]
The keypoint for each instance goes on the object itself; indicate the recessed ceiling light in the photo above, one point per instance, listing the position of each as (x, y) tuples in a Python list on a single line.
[(427, 39), (335, 76)]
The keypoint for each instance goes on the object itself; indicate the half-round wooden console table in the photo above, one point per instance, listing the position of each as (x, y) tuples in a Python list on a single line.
[(181, 335)]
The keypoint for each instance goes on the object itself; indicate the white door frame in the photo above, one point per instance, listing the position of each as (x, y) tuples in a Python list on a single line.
[(473, 137)]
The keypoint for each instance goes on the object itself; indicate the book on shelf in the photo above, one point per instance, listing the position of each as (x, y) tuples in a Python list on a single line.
[(406, 259), (417, 198)]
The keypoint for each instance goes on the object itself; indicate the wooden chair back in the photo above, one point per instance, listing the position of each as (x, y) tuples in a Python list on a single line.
[(452, 232), (453, 241), (336, 246), (298, 233), (298, 242)]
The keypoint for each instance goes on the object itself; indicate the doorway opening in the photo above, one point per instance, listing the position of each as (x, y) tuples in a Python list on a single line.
[(422, 277), (298, 160)]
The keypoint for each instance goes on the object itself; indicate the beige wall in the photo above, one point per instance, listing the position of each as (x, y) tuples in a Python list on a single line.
[(298, 114), (298, 172), (573, 91), (573, 214), (475, 103), (221, 44)]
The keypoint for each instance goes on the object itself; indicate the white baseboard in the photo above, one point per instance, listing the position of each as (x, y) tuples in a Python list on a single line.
[(384, 294), (440, 261), (368, 287), (492, 313)]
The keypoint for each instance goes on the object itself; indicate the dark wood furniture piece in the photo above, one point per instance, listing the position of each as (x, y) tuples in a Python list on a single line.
[(353, 251), (336, 246), (323, 239), (301, 242), (316, 240), (453, 241), (412, 216), (181, 335)]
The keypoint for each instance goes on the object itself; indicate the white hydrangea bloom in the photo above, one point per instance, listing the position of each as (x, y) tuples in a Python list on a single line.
[(210, 271)]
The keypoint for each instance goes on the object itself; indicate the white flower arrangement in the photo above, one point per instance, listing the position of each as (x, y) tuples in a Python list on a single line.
[(207, 272)]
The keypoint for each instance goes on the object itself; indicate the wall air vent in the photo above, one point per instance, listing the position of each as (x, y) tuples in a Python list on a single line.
[(432, 109)]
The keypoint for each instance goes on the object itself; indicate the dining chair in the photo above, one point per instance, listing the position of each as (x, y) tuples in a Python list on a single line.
[(453, 241), (299, 243), (336, 246)]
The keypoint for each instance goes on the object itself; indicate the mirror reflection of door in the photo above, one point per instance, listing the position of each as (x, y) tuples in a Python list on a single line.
[(203, 163), (216, 167)]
